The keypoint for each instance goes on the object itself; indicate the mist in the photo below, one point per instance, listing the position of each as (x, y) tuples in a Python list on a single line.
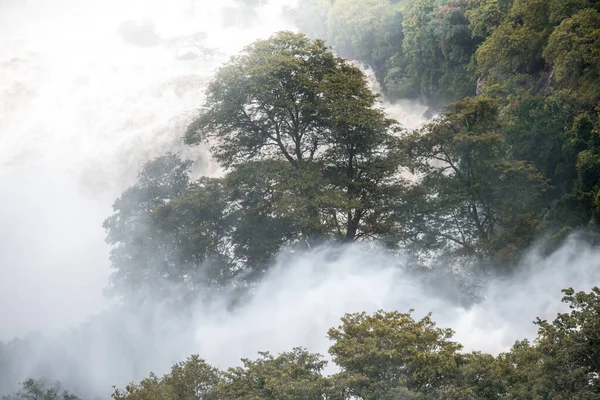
[(82, 107), (83, 104), (294, 305)]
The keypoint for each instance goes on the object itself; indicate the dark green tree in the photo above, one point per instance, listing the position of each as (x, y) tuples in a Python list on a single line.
[(475, 200), (289, 99)]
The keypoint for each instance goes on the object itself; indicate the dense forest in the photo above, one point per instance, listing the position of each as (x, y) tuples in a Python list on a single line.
[(512, 159), (311, 157)]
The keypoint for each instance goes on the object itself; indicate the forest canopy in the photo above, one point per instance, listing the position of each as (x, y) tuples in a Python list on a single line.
[(311, 157), (393, 355)]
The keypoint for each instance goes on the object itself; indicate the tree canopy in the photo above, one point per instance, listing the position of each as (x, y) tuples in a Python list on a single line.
[(390, 355), (310, 156)]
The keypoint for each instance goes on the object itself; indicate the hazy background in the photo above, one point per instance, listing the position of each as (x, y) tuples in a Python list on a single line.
[(81, 110)]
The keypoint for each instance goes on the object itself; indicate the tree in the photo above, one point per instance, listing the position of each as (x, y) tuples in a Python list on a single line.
[(295, 375), (363, 30), (192, 379), (140, 254), (40, 390), (390, 355), (518, 372), (475, 200), (514, 49), (198, 224), (389, 352), (570, 347), (272, 195), (574, 50), (290, 99), (479, 378), (487, 16), (453, 33)]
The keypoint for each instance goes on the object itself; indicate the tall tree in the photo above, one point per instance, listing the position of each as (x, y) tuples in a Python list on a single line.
[(290, 99), (476, 200)]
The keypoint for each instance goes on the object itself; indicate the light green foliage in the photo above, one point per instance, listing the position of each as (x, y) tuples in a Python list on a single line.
[(40, 390), (390, 350), (518, 372), (515, 46), (289, 376), (516, 49), (574, 50), (192, 379), (487, 16), (563, 9), (390, 355), (478, 378)]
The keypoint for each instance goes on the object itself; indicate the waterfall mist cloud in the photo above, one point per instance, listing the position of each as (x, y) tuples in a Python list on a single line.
[(81, 109), (294, 305)]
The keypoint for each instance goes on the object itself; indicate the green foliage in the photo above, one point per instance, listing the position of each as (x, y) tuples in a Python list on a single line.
[(198, 223), (514, 49), (476, 201), (415, 48), (487, 16), (574, 50), (290, 99), (290, 376), (138, 253), (40, 390), (310, 157), (385, 351), (263, 104), (437, 49), (192, 379), (390, 355), (570, 347), (368, 31)]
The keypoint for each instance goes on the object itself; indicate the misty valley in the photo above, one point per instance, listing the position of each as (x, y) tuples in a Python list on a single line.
[(300, 199)]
